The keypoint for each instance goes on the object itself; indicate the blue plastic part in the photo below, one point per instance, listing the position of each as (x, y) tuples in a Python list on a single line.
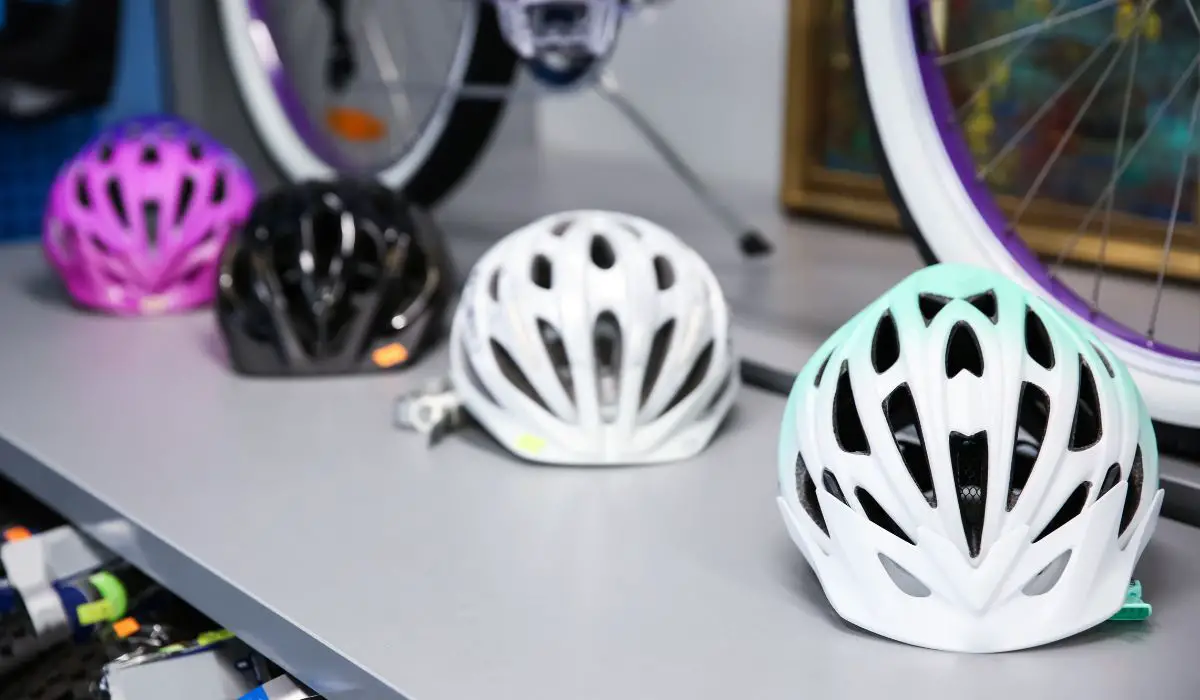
[(31, 153), (8, 598), (30, 156), (256, 694)]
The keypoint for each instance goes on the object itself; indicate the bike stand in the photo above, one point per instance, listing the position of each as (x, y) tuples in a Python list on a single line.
[(750, 240)]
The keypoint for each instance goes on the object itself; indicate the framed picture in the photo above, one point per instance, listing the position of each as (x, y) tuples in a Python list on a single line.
[(829, 167)]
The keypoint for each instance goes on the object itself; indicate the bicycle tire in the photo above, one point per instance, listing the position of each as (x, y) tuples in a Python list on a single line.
[(1173, 439), (469, 125), (472, 121)]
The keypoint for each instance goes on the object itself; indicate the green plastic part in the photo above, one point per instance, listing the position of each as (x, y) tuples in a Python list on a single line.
[(114, 600), (1134, 608), (214, 637)]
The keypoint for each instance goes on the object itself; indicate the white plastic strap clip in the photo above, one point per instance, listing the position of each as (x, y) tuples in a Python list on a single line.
[(433, 410), (30, 576), (35, 564)]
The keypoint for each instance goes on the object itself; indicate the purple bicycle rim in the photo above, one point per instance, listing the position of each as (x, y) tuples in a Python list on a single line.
[(285, 92), (938, 97)]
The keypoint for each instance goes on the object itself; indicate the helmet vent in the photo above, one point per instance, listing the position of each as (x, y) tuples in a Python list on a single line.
[(721, 391), (876, 514), (603, 255), (115, 199), (664, 273), (1133, 495), (494, 286), (969, 464), (606, 347), (1086, 429), (192, 275), (1111, 477), (930, 305), (905, 581), (821, 370), (658, 356), (695, 376), (1104, 360), (806, 493), (832, 486), (541, 272), (986, 303), (187, 188), (1071, 507), (847, 426), (81, 192), (1046, 579), (218, 191), (106, 152), (885, 347), (195, 151), (150, 218), (560, 227), (512, 372), (557, 353), (963, 352), (150, 156), (98, 244), (1037, 340), (901, 412), (1033, 415)]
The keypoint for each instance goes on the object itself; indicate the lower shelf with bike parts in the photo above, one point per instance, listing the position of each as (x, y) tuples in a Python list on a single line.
[(77, 623)]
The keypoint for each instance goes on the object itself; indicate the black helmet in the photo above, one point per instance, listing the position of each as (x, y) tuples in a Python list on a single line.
[(332, 277)]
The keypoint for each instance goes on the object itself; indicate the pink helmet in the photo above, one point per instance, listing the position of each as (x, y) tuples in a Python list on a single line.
[(135, 222)]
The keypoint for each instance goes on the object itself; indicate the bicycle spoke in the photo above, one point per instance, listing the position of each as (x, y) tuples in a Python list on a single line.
[(1192, 12), (1005, 64), (389, 70), (1017, 34), (1042, 111), (1070, 132), (1110, 186), (1118, 152), (1162, 265)]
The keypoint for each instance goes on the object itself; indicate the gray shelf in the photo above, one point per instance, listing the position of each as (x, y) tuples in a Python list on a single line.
[(374, 568)]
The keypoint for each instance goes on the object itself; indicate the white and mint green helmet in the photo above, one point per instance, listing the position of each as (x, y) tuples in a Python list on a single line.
[(967, 469)]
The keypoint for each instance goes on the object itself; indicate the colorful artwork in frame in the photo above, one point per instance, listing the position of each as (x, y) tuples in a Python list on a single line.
[(1022, 106), (1000, 92)]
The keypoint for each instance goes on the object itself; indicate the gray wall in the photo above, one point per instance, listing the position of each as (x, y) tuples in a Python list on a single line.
[(710, 73)]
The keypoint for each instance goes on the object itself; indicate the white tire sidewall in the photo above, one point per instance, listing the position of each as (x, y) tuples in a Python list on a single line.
[(945, 213)]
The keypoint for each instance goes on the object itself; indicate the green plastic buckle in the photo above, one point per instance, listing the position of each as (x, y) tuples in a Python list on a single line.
[(1134, 608)]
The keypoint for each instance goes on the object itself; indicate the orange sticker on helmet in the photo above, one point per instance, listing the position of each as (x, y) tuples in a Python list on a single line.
[(389, 355)]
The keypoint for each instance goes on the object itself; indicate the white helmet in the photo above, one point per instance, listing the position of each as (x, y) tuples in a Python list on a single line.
[(535, 28), (967, 469), (592, 337)]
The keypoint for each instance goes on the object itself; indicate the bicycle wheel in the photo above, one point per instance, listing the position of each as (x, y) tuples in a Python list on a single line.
[(953, 179), (369, 87)]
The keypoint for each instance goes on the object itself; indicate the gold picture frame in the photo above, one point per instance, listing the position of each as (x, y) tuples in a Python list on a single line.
[(818, 74)]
